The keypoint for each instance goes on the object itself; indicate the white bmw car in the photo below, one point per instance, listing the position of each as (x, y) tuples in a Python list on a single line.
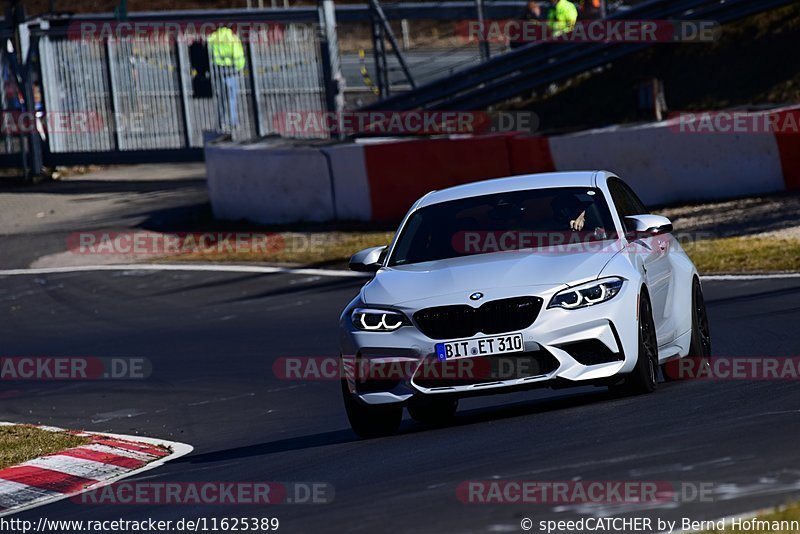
[(560, 279)]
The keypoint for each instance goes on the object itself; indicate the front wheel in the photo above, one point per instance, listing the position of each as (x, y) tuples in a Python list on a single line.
[(370, 421), (643, 378)]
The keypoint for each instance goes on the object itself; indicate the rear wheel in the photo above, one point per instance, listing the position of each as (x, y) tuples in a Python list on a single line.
[(643, 378), (371, 421), (700, 345), (701, 333), (433, 411)]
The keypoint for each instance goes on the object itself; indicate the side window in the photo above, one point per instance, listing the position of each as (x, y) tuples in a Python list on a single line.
[(621, 201), (638, 205), (625, 200)]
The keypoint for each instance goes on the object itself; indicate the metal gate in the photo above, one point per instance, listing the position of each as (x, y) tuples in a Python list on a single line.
[(118, 96)]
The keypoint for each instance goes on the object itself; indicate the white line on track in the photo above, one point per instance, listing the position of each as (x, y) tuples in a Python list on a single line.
[(742, 277), (202, 267), (179, 267)]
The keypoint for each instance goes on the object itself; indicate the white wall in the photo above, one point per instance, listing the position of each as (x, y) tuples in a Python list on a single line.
[(664, 165), (269, 185)]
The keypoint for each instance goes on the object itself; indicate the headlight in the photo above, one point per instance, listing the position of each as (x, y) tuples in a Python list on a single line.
[(378, 320), (587, 294)]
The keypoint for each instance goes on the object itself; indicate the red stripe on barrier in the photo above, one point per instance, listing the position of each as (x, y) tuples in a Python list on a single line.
[(530, 154), (400, 172), (103, 458), (788, 141), (46, 479), (147, 449)]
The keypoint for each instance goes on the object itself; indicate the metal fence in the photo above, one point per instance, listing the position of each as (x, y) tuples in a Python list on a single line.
[(118, 99), (130, 94)]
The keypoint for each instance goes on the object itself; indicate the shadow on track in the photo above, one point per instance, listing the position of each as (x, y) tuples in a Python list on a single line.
[(89, 186), (408, 429), (740, 299)]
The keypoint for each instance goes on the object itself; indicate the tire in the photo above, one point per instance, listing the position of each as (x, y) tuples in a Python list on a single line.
[(434, 412), (371, 421), (700, 345), (643, 378)]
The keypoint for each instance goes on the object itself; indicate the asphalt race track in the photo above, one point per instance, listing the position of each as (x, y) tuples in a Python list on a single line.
[(212, 339)]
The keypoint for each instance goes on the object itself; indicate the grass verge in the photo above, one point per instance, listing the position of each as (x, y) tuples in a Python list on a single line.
[(745, 254), (334, 248), (20, 443)]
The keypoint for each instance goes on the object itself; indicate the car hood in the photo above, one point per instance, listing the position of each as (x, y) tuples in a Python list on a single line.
[(491, 274)]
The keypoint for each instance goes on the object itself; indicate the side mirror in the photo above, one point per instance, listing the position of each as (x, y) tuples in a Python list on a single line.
[(368, 260), (648, 225)]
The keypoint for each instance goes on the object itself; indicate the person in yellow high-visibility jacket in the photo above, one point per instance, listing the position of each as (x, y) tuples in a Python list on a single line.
[(227, 57), (562, 17)]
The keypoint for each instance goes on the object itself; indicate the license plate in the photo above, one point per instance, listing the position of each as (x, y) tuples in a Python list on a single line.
[(481, 346)]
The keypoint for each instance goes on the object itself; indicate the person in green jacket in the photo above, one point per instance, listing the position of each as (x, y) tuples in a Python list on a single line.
[(562, 17), (227, 57)]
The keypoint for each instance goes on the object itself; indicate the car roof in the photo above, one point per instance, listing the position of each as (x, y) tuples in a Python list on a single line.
[(513, 183)]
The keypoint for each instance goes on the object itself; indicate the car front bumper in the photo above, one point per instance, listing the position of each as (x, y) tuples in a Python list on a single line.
[(561, 348)]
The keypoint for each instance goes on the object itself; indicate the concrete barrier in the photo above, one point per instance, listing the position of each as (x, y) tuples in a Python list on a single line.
[(789, 146), (269, 184), (348, 170), (530, 154), (378, 180), (663, 165), (401, 172)]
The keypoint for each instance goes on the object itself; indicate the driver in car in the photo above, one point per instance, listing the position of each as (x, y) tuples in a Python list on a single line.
[(568, 208)]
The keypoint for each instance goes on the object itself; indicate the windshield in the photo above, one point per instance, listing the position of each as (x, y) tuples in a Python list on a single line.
[(504, 221)]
